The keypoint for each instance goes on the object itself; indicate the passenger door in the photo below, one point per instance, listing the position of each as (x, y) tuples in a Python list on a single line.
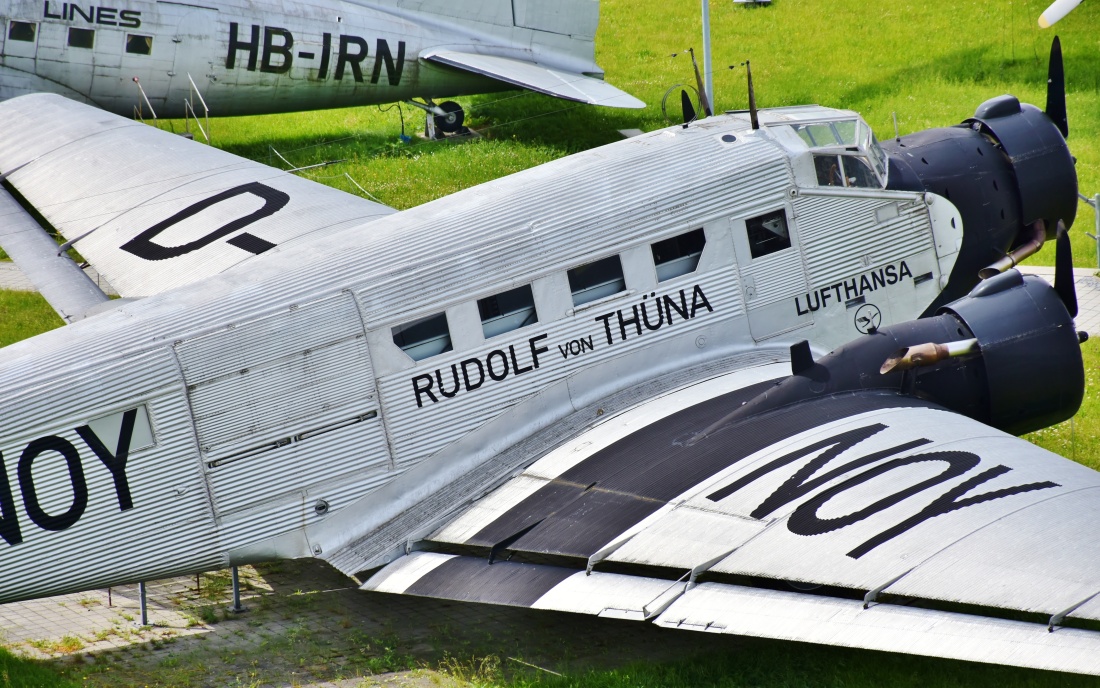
[(773, 276)]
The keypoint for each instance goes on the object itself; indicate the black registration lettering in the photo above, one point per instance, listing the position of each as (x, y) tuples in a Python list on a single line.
[(346, 57), (115, 462), (143, 245), (273, 49), (252, 46), (37, 514)]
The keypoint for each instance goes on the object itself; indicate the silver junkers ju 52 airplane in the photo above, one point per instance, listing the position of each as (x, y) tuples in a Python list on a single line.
[(255, 57), (584, 387)]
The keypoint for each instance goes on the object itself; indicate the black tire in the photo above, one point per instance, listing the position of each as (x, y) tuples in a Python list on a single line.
[(451, 122)]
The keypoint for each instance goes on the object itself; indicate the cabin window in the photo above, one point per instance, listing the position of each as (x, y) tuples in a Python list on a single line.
[(424, 338), (596, 280), (678, 255), (139, 45), (507, 311), (21, 31), (81, 38), (768, 233)]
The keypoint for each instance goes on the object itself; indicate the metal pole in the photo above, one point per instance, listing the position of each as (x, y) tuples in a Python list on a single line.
[(1095, 203), (1096, 216), (237, 608), (708, 74), (144, 605)]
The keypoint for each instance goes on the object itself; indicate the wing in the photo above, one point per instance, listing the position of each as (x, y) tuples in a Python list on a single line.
[(149, 209), (552, 82), (865, 519)]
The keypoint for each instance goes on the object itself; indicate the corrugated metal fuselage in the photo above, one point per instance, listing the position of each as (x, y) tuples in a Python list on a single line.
[(232, 419)]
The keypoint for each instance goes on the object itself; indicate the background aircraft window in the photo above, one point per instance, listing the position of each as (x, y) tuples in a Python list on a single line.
[(678, 255), (596, 280), (507, 311), (768, 233), (139, 45), (81, 38), (21, 31), (423, 338)]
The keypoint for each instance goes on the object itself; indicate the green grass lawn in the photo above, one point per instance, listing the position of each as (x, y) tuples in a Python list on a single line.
[(930, 62), (761, 663), (16, 672)]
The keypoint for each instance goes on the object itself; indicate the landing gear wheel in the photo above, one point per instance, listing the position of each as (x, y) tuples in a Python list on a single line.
[(451, 122)]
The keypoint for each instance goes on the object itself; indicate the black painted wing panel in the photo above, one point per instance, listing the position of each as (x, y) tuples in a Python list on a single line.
[(639, 474)]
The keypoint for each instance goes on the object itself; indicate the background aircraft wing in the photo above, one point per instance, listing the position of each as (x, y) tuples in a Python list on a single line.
[(553, 82), (148, 209), (865, 519)]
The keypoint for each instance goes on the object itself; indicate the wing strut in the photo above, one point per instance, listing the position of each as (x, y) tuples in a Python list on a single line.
[(60, 280)]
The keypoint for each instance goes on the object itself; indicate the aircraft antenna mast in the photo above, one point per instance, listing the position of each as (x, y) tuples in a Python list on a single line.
[(752, 98), (707, 73)]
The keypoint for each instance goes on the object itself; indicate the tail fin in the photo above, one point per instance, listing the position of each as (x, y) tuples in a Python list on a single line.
[(577, 18)]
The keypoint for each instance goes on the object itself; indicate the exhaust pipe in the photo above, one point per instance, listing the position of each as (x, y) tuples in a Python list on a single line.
[(927, 354), (1016, 256)]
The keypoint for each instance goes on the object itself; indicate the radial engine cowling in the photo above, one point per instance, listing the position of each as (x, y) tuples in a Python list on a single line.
[(1005, 168), (1030, 352), (1045, 176)]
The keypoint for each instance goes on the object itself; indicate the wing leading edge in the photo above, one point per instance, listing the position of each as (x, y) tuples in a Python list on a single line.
[(552, 82), (149, 209)]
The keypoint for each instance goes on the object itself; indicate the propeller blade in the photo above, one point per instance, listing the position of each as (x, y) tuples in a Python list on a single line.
[(1056, 89), (1063, 271), (1057, 10), (689, 109)]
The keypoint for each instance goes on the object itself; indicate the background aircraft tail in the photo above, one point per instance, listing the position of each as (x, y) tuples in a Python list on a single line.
[(576, 18)]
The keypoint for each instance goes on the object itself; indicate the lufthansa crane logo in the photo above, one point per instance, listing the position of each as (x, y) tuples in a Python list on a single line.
[(868, 318)]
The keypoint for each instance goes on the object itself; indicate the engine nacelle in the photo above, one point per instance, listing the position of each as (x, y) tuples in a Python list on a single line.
[(1026, 372)]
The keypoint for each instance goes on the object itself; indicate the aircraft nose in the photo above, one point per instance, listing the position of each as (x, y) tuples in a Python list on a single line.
[(1007, 169)]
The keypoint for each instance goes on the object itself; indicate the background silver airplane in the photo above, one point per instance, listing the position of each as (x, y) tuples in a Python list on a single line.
[(263, 57)]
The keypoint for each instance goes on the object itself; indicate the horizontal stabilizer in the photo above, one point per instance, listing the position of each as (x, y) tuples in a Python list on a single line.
[(552, 82), (739, 610), (60, 281)]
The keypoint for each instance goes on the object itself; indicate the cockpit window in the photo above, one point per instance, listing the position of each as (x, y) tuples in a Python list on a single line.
[(844, 170), (846, 132), (827, 134), (845, 153), (878, 157), (858, 173)]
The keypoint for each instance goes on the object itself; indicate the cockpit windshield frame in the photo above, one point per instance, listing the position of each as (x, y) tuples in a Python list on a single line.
[(848, 137)]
